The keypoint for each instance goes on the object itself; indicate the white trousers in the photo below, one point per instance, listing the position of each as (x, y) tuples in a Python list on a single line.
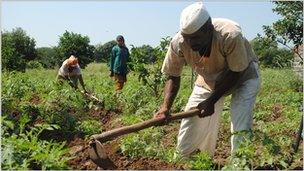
[(201, 133)]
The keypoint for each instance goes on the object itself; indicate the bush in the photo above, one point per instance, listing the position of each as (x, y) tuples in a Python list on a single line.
[(34, 65)]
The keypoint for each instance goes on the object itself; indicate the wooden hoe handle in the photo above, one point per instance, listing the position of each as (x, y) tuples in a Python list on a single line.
[(109, 135)]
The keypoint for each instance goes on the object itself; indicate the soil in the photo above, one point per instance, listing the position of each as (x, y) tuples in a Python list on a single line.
[(35, 99), (222, 151), (81, 158)]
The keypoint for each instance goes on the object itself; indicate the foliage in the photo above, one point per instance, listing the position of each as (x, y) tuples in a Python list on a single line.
[(102, 53), (25, 151), (17, 48), (289, 29), (22, 43), (75, 44), (143, 54), (150, 76), (147, 144), (269, 54), (46, 56), (90, 127), (201, 161), (30, 96), (59, 106), (34, 65)]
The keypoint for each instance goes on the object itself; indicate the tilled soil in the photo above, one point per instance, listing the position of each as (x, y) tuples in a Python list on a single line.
[(82, 161), (81, 158)]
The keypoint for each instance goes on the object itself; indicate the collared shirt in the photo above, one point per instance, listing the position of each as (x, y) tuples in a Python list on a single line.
[(230, 51), (119, 59)]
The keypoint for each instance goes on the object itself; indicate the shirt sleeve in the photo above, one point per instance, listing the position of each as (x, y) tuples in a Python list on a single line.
[(112, 60), (77, 70), (174, 61), (235, 52), (63, 70)]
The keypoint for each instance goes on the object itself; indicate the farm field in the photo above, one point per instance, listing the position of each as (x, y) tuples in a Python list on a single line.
[(48, 126)]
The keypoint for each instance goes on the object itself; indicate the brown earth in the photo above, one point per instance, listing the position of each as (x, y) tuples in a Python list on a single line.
[(81, 159)]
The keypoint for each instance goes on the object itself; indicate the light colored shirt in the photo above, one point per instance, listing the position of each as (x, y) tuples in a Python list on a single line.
[(63, 70), (230, 51)]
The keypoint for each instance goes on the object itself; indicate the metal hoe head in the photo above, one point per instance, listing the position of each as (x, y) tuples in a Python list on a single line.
[(99, 156)]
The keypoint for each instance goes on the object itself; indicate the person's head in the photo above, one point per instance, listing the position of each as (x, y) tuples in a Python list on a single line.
[(120, 40), (196, 26), (72, 62)]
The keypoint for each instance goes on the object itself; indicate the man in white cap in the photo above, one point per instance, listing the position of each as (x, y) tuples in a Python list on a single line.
[(225, 64), (70, 71)]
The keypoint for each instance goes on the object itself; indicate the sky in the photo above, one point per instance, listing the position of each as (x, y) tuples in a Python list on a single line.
[(140, 22)]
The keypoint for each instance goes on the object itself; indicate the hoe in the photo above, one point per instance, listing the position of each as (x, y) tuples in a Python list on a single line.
[(99, 156)]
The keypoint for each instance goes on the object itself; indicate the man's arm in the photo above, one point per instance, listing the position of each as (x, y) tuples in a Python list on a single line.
[(82, 83), (171, 90), (112, 60), (227, 82)]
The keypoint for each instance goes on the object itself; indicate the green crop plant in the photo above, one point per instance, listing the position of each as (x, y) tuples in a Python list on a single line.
[(27, 151), (145, 144), (201, 161), (90, 127)]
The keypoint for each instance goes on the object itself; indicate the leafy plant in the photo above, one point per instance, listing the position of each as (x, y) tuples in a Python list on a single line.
[(201, 161), (26, 151), (34, 65), (150, 76), (90, 127), (147, 144)]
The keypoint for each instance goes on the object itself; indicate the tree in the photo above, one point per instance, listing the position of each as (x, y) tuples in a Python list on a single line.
[(102, 53), (75, 44), (269, 54), (151, 75), (46, 56), (17, 49), (144, 53), (289, 29)]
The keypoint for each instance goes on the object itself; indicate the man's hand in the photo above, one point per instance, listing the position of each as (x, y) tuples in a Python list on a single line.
[(206, 107), (85, 91), (162, 113), (111, 74)]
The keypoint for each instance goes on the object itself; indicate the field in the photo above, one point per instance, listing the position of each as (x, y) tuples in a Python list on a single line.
[(47, 126)]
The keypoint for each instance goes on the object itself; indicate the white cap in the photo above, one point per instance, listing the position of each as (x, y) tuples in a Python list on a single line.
[(193, 18)]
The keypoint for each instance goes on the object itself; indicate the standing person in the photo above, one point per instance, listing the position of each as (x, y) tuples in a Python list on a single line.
[(226, 64), (71, 72), (118, 66)]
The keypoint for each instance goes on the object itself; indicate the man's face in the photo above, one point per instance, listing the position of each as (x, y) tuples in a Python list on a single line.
[(120, 42), (71, 68), (201, 38)]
